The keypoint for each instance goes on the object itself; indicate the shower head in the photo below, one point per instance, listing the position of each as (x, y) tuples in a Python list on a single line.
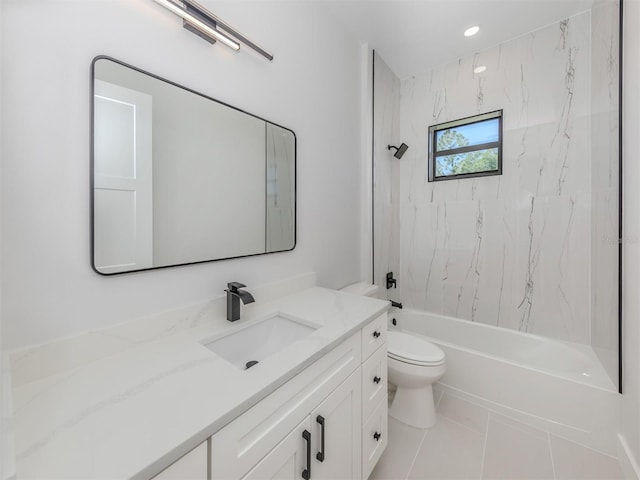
[(399, 150)]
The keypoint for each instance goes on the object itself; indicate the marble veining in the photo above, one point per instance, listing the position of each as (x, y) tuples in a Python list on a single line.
[(386, 221), (280, 214), (47, 436), (525, 249), (604, 181), (125, 401), (45, 361)]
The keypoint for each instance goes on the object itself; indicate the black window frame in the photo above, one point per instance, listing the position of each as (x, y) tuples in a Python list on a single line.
[(434, 153)]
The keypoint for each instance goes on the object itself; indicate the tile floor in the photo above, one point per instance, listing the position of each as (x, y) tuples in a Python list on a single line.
[(471, 442)]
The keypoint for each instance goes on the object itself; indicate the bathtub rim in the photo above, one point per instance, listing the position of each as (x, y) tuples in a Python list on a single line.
[(396, 311)]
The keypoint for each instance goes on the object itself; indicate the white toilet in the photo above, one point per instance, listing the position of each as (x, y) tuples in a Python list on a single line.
[(414, 365)]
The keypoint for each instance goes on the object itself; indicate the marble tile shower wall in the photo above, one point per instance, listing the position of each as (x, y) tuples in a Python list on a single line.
[(386, 226), (511, 250), (605, 53)]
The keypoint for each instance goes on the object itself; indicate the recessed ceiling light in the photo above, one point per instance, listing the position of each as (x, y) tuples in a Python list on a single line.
[(471, 31), (479, 69)]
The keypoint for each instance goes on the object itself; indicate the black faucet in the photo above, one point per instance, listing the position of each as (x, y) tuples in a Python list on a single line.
[(396, 304), (233, 300)]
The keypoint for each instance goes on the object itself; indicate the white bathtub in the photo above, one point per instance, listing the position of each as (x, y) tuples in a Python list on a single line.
[(557, 386)]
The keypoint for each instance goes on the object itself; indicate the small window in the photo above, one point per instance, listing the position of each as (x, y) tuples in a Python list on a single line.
[(470, 147)]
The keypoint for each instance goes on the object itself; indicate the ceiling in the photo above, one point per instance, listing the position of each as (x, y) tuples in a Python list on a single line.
[(413, 36)]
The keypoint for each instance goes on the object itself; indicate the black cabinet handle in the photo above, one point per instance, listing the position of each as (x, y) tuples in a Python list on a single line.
[(376, 334), (376, 379), (377, 436), (320, 454), (306, 473)]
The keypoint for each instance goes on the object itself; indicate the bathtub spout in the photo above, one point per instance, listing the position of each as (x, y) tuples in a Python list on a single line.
[(396, 304)]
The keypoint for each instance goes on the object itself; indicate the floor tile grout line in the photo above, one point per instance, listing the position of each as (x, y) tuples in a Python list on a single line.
[(415, 456), (541, 429), (491, 414), (553, 464), (484, 447)]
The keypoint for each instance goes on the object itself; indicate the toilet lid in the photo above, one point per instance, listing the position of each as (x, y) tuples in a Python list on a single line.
[(412, 349)]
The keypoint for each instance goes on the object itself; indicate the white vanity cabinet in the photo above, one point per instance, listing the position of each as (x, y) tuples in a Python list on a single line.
[(303, 454), (282, 436)]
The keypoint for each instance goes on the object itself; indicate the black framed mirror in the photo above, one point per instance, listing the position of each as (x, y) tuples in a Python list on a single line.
[(178, 177)]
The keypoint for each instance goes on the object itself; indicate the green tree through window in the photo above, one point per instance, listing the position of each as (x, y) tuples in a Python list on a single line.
[(470, 147)]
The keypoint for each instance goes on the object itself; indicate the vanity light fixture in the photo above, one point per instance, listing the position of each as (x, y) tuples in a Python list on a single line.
[(202, 27), (471, 31), (205, 24)]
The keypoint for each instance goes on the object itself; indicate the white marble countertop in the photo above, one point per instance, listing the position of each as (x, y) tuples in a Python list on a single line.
[(131, 412)]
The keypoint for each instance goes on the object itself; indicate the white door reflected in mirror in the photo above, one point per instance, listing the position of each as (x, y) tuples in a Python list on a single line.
[(123, 184)]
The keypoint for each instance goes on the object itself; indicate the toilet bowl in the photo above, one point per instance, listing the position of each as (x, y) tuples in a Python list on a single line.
[(414, 365)]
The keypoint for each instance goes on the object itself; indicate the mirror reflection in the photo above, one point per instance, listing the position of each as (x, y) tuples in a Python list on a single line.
[(181, 178)]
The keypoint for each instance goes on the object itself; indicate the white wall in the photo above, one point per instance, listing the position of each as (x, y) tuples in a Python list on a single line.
[(312, 86), (2, 425), (366, 200), (231, 177), (630, 418)]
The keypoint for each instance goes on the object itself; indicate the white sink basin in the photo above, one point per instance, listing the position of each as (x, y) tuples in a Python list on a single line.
[(260, 340)]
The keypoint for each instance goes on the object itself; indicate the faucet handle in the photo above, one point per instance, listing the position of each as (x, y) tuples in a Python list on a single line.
[(234, 286)]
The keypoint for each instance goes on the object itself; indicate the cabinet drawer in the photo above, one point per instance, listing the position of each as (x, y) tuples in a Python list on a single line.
[(237, 447), (374, 437), (374, 380), (374, 335)]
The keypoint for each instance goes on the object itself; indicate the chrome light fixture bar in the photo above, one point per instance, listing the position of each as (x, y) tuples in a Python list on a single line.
[(200, 25), (201, 21)]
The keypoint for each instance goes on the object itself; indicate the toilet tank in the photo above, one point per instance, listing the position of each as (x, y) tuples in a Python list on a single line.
[(361, 288)]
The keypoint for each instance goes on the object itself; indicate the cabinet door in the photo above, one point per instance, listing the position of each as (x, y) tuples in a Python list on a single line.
[(339, 417), (288, 459)]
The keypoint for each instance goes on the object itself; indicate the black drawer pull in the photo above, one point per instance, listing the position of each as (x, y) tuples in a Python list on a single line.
[(376, 379), (376, 334), (306, 473), (320, 454), (377, 436)]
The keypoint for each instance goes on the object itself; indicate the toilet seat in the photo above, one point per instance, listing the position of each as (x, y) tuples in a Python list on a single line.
[(410, 349)]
